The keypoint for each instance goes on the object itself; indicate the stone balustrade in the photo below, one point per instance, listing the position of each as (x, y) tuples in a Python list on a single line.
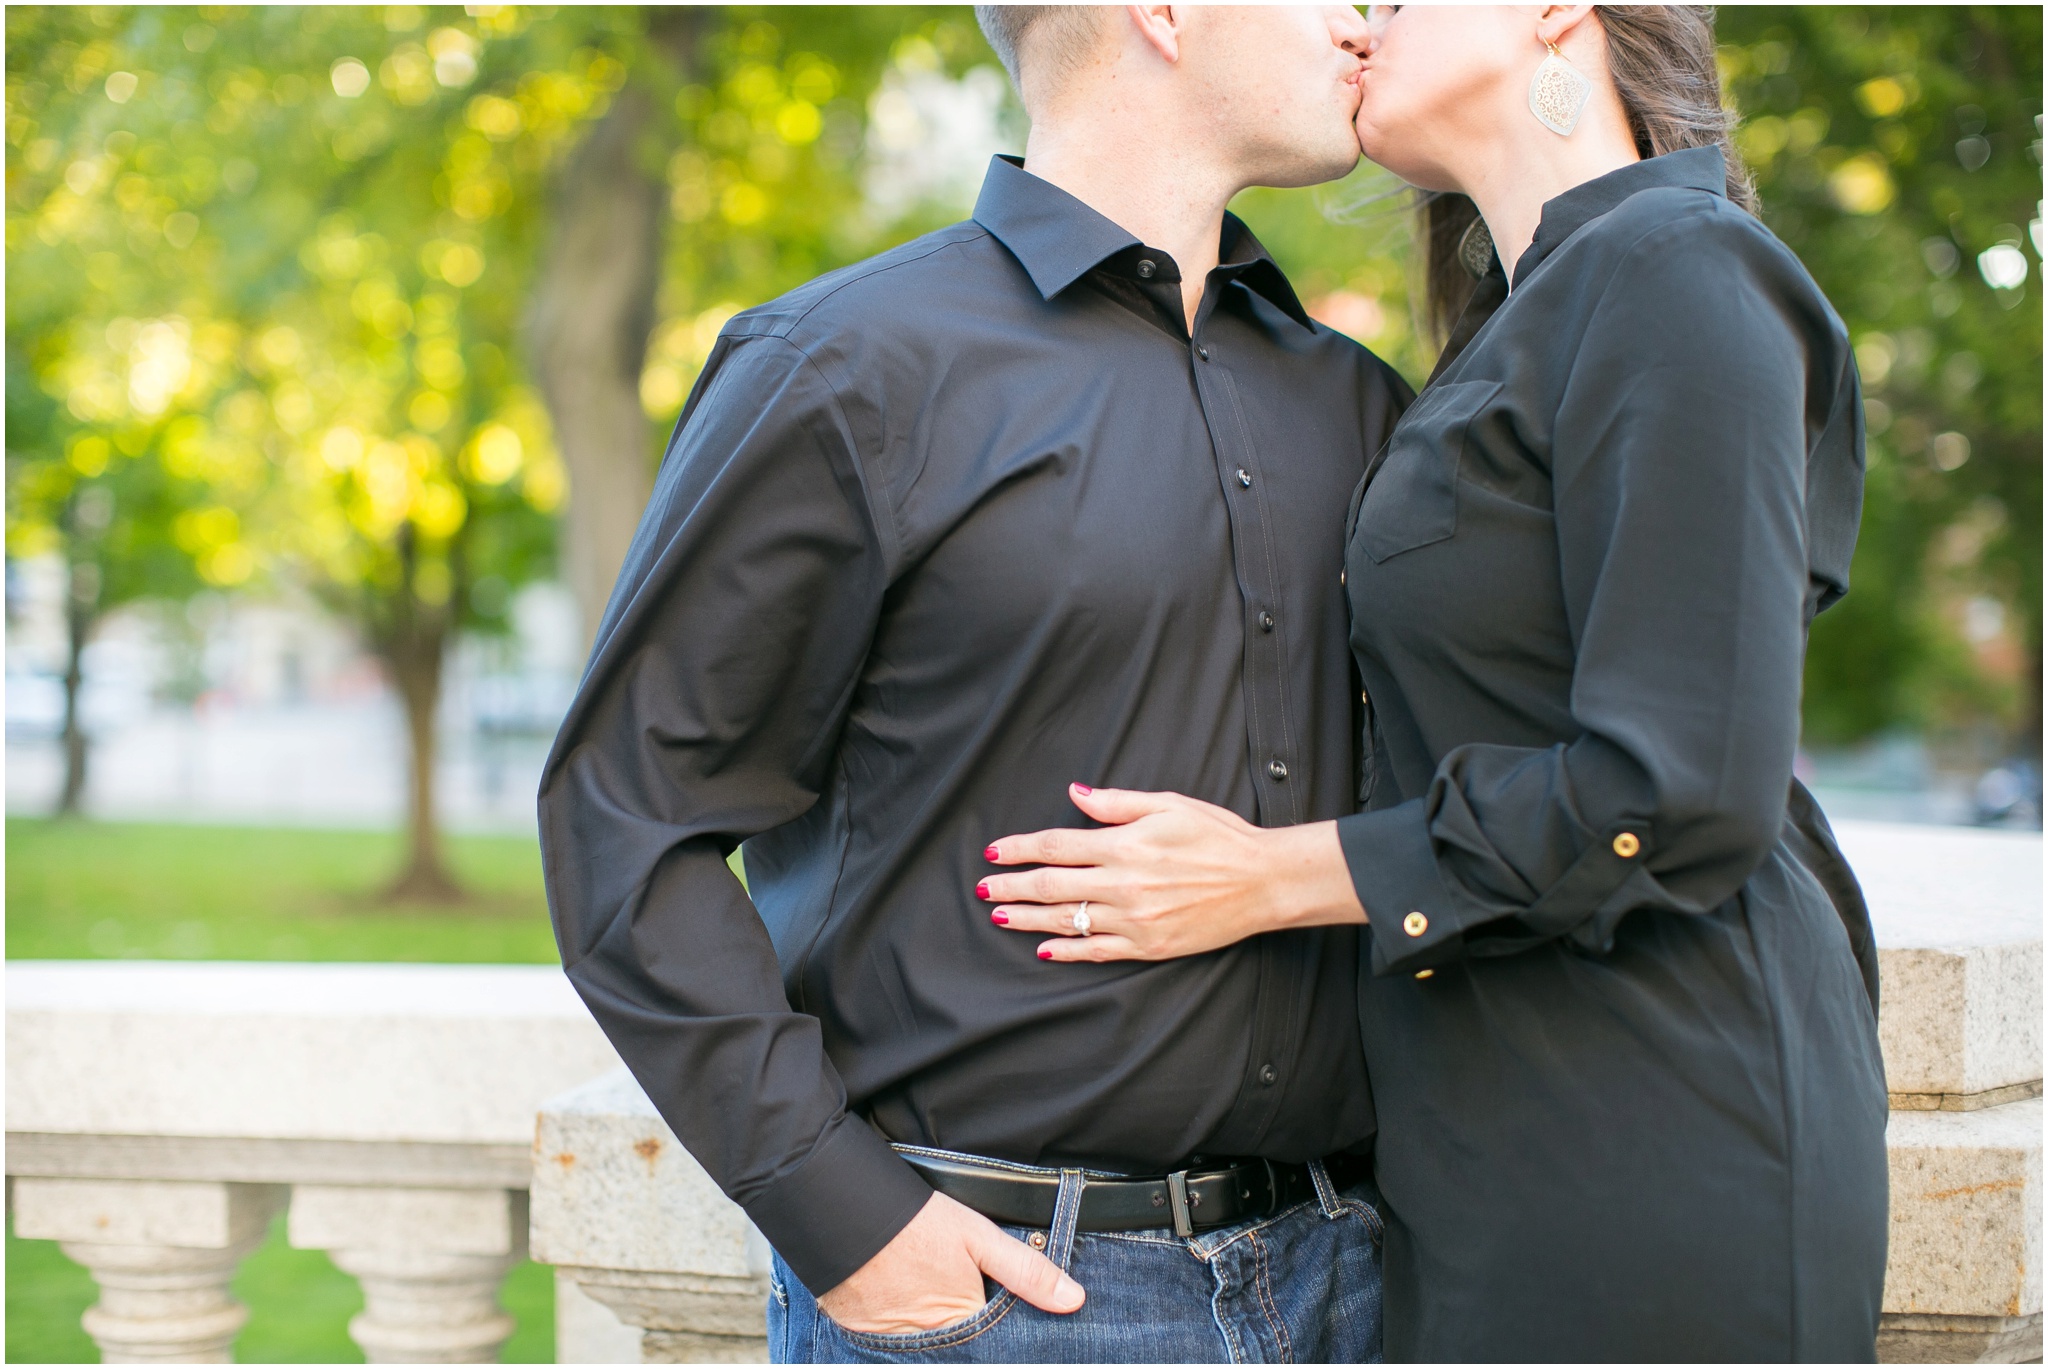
[(160, 1114), (424, 1124)]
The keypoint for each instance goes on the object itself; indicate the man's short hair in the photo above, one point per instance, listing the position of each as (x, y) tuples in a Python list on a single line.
[(1058, 37)]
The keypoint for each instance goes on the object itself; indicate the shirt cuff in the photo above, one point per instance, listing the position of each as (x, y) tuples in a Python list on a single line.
[(835, 1211), (1412, 923)]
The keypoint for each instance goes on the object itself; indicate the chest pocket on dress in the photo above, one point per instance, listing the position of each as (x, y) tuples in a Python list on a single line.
[(1412, 500)]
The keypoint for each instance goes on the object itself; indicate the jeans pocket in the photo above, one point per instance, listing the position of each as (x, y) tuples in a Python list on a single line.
[(923, 1342), (778, 1315), (1371, 1216)]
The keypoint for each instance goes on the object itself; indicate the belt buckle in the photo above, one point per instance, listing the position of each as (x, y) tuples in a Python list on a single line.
[(1177, 1199)]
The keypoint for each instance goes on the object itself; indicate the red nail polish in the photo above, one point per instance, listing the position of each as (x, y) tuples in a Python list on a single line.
[(991, 854), (981, 890), (1082, 789), (1000, 918), (1044, 954)]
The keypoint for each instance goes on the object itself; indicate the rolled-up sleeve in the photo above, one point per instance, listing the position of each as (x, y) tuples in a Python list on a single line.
[(708, 714), (1678, 466)]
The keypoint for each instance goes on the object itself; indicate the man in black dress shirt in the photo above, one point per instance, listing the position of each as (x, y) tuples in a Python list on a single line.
[(1053, 494)]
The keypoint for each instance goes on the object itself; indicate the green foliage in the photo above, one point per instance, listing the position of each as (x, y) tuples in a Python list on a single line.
[(1893, 148), (1351, 266), (289, 284), (268, 270), (764, 173), (269, 266)]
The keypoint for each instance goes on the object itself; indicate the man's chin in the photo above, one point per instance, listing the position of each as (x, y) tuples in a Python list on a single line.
[(1301, 180), (1340, 162), (1310, 153)]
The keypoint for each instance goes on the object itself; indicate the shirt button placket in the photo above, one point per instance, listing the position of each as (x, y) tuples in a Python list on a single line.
[(1261, 659), (1265, 676)]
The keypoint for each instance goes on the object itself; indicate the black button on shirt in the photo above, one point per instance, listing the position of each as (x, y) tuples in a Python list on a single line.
[(936, 535)]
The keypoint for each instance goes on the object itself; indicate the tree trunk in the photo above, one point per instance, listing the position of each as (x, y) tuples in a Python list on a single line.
[(425, 878), (81, 615), (588, 324), (413, 645)]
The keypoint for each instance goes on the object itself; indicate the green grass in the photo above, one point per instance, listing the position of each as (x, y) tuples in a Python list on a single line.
[(46, 1294), (129, 891), (299, 1306)]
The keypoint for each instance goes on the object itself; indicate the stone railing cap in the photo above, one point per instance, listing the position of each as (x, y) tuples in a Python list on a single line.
[(290, 988), (1946, 887)]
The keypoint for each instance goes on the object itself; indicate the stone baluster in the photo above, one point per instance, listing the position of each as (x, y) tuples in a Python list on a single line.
[(430, 1262), (163, 1254), (589, 1332), (622, 1211), (683, 1318)]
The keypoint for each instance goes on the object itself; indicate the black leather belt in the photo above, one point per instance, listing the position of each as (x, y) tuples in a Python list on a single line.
[(1187, 1200)]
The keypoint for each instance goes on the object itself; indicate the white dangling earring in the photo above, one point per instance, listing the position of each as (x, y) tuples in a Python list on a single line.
[(1557, 93)]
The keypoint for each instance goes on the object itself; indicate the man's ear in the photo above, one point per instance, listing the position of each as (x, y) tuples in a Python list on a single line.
[(1160, 26)]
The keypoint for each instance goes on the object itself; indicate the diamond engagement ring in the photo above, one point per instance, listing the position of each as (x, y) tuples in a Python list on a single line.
[(1081, 920)]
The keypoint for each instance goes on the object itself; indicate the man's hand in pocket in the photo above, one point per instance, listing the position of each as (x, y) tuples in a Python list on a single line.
[(930, 1275)]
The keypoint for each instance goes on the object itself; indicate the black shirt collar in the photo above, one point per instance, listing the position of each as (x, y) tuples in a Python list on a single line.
[(1694, 168), (1058, 239)]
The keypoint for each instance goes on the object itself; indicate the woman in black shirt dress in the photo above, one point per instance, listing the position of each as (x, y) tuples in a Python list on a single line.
[(1619, 998)]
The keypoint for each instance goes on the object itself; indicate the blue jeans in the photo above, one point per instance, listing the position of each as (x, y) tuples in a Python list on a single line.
[(1299, 1287)]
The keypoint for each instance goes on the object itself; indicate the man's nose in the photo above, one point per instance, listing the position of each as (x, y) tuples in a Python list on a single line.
[(1348, 30)]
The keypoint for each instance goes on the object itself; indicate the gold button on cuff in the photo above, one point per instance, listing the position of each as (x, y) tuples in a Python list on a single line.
[(1415, 924), (1424, 974), (1626, 845)]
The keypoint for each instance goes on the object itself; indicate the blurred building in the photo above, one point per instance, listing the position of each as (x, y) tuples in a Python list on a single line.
[(244, 709)]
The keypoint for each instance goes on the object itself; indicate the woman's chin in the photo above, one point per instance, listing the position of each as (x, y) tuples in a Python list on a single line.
[(1383, 152), (1374, 143)]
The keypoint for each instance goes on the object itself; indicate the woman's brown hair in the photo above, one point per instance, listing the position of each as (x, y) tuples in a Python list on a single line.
[(1661, 58)]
